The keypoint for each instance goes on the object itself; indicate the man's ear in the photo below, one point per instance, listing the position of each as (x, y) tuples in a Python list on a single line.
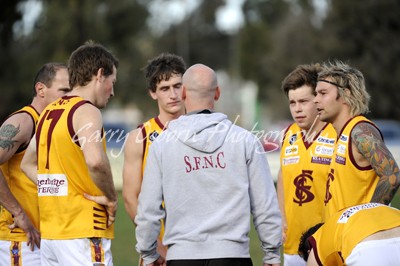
[(217, 94), (183, 93), (153, 95), (99, 74), (39, 87)]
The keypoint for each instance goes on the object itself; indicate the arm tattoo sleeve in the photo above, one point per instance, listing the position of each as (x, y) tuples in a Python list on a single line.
[(370, 144), (7, 134)]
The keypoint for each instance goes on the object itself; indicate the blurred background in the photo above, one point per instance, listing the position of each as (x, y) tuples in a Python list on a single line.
[(252, 44)]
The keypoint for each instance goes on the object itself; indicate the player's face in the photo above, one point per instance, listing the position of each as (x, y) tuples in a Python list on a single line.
[(107, 89), (302, 106), (59, 86), (168, 94), (328, 103)]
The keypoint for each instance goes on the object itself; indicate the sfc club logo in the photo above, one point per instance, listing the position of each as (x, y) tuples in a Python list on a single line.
[(153, 135), (303, 193), (292, 139)]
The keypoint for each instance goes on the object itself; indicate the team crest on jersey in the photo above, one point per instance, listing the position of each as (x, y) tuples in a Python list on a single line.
[(303, 192), (291, 150), (291, 160), (344, 138), (341, 149), (292, 139), (153, 135)]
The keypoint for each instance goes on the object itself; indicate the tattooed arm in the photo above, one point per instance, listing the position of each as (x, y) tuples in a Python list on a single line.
[(370, 145), (16, 132)]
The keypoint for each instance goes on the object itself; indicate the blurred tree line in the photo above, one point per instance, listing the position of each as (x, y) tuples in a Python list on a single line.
[(275, 37)]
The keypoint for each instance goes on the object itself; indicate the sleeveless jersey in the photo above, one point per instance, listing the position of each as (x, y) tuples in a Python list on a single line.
[(335, 240), (23, 189), (348, 184), (63, 177), (304, 168), (150, 131)]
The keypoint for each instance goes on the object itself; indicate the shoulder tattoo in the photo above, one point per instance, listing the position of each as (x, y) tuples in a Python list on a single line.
[(369, 142), (7, 134), (367, 139)]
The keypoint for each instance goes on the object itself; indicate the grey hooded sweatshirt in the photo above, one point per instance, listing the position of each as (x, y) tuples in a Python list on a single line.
[(213, 177)]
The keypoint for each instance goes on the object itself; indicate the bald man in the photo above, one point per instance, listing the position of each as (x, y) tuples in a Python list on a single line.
[(212, 176)]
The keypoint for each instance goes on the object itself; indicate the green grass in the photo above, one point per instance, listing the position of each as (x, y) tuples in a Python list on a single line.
[(123, 246)]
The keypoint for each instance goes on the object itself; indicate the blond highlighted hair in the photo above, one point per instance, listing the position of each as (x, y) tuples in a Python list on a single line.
[(346, 77)]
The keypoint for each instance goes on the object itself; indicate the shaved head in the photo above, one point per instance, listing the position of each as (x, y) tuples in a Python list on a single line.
[(200, 86)]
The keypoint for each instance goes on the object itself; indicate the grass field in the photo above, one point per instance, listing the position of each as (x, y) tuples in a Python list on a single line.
[(123, 246)]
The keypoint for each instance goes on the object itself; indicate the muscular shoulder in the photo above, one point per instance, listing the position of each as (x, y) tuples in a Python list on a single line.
[(365, 129), (87, 114), (365, 133), (20, 126), (15, 132), (367, 140)]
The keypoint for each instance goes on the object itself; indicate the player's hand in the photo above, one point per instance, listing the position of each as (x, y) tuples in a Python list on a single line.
[(33, 235), (159, 262), (284, 230), (283, 237), (111, 206)]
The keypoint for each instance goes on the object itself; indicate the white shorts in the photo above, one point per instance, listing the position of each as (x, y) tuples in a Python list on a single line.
[(293, 260), (18, 253), (376, 252), (81, 251)]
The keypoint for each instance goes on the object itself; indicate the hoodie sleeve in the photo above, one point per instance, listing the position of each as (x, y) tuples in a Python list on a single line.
[(264, 203), (150, 210)]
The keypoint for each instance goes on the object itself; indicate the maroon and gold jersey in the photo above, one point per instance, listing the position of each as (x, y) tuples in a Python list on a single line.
[(348, 184), (304, 166), (23, 189), (335, 240), (150, 131), (63, 177)]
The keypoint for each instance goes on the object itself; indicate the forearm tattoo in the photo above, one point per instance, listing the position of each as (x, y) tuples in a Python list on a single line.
[(370, 144), (7, 135)]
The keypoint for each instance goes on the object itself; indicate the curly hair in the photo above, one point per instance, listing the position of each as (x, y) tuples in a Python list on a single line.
[(161, 68)]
